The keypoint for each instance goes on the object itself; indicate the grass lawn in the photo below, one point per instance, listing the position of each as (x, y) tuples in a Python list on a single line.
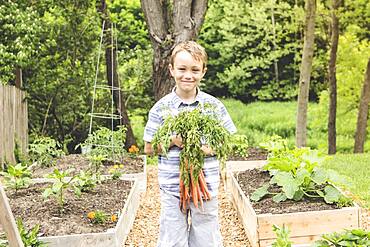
[(357, 168)]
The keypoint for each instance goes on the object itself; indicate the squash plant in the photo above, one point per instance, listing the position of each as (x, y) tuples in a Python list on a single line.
[(196, 127), (298, 174), (354, 237)]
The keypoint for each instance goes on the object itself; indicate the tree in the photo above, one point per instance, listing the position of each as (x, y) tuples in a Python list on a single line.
[(305, 72), (363, 113), (170, 23), (332, 135), (112, 75)]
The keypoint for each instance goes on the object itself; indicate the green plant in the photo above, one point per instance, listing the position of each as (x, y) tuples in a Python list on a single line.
[(29, 237), (17, 177), (298, 174), (85, 181), (239, 145), (60, 184), (97, 217), (105, 142), (96, 161), (355, 237), (282, 234), (116, 172), (44, 149)]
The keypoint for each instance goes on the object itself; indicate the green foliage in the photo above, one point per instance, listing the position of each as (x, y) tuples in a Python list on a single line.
[(282, 234), (261, 120), (84, 182), (17, 177), (298, 173), (96, 161), (44, 149), (105, 142), (193, 126), (239, 145), (356, 168), (354, 237), (20, 25), (98, 217), (62, 181), (243, 46), (29, 237), (116, 172)]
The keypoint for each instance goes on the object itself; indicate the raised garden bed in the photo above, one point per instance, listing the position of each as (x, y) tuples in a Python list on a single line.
[(307, 221), (133, 167), (72, 227)]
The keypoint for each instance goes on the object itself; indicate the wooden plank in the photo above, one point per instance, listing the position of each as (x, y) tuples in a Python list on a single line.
[(245, 211), (2, 127), (297, 242), (309, 223), (8, 222)]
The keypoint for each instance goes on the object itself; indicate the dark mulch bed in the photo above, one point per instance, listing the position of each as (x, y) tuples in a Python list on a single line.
[(254, 153), (251, 180), (80, 162), (30, 206)]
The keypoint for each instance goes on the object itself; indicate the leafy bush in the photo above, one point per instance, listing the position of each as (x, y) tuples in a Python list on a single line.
[(29, 237), (17, 177), (44, 149), (239, 145), (85, 181), (105, 142), (298, 173), (355, 237)]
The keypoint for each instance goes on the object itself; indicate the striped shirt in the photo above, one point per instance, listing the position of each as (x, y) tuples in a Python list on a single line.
[(169, 167)]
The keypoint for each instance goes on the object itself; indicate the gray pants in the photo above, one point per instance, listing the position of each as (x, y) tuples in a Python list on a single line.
[(175, 230)]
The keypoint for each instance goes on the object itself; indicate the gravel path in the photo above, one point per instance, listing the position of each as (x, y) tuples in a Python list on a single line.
[(146, 228)]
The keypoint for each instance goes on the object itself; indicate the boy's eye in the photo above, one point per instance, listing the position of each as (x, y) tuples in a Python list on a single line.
[(181, 69)]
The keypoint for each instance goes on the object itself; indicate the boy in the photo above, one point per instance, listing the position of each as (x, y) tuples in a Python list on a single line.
[(187, 67)]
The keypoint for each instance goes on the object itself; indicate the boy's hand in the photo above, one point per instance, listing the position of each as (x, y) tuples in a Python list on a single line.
[(207, 150), (176, 141)]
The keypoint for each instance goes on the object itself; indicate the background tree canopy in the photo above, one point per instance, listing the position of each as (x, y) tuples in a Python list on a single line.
[(254, 50)]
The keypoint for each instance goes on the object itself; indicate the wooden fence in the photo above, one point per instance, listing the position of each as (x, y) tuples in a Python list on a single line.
[(13, 122)]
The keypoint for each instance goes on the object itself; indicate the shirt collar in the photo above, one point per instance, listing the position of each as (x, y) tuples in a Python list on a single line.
[(177, 101)]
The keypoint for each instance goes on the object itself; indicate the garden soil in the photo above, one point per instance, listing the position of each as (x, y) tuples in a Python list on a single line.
[(146, 226), (28, 204), (80, 162)]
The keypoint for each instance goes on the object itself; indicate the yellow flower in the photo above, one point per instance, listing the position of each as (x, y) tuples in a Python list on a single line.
[(120, 166), (91, 215), (113, 218), (115, 166)]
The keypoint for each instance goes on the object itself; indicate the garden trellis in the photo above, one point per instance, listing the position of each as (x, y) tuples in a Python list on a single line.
[(97, 86)]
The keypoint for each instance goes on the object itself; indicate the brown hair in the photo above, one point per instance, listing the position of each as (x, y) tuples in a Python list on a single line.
[(196, 51)]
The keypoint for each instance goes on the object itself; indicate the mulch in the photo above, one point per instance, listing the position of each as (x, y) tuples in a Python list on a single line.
[(146, 226)]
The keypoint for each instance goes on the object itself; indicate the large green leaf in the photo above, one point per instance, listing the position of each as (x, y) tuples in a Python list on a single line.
[(260, 193), (320, 176), (289, 184), (332, 194)]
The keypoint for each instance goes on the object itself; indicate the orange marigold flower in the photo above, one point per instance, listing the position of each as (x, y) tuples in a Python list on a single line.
[(113, 218), (91, 215)]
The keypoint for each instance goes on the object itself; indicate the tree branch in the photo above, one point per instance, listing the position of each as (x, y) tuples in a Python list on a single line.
[(198, 12), (155, 19), (183, 24)]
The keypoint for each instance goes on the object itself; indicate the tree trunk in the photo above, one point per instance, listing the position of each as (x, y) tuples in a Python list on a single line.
[(112, 75), (18, 77), (305, 73), (363, 113), (170, 23), (332, 134)]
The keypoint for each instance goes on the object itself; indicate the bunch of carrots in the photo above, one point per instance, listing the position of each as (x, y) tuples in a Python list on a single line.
[(193, 126), (192, 186)]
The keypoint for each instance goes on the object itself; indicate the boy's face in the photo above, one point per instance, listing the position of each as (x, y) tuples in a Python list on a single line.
[(187, 72)]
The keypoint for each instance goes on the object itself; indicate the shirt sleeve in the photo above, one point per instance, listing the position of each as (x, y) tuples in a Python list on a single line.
[(227, 122), (153, 124)]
